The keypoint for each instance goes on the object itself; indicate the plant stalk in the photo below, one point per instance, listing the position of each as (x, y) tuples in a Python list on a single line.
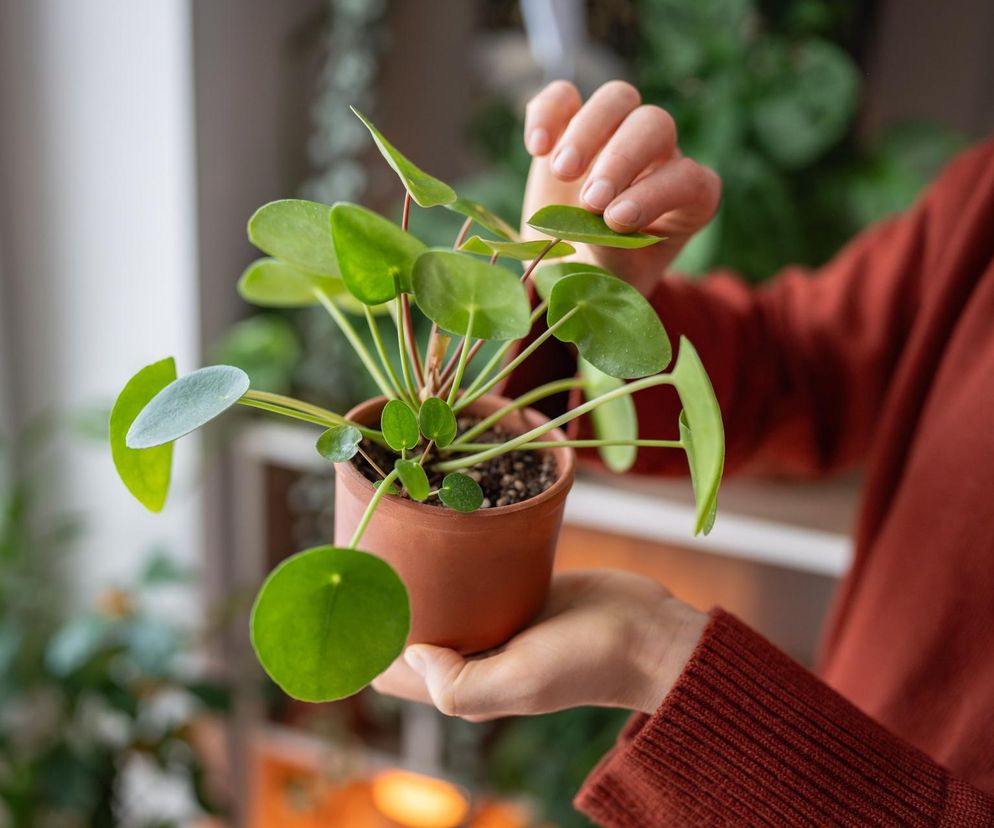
[(374, 330), (504, 350), (579, 411), (405, 363), (463, 359), (534, 262), (357, 344), (318, 415), (544, 444), (514, 363), (373, 503), (539, 393)]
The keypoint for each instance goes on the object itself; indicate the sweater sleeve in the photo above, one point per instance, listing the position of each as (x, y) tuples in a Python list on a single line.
[(749, 737), (801, 364)]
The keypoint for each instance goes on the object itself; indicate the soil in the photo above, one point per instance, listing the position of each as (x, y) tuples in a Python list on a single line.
[(506, 479)]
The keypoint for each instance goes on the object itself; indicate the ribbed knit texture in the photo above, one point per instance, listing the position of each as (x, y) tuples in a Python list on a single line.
[(884, 359), (748, 737)]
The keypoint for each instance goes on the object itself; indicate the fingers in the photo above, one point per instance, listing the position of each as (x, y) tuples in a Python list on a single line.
[(477, 689), (646, 137), (591, 128), (547, 115), (401, 681), (676, 199)]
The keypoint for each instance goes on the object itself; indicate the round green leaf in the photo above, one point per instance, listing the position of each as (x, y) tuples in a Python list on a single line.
[(613, 420), (271, 283), (484, 217), (437, 421), (146, 472), (186, 404), (399, 425), (451, 287), (523, 251), (546, 276), (461, 493), (413, 476), (374, 254), (327, 621), (425, 189), (339, 443), (701, 432), (576, 224), (296, 232), (614, 327)]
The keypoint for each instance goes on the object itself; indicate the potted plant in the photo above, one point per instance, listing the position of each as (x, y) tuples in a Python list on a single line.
[(414, 528)]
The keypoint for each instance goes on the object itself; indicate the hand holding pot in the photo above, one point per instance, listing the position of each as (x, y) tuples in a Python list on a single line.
[(615, 156), (605, 638)]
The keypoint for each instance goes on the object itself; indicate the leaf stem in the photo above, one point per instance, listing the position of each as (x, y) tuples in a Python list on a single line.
[(406, 219), (374, 330), (405, 363), (320, 416), (534, 262), (514, 363), (504, 350), (543, 444), (412, 343), (371, 462), (424, 454), (541, 392), (579, 411), (374, 501), (357, 344), (463, 232), (463, 359)]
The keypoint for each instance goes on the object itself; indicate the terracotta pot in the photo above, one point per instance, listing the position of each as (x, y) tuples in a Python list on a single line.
[(474, 579)]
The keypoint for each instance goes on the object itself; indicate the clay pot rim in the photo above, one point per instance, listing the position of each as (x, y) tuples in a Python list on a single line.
[(565, 472)]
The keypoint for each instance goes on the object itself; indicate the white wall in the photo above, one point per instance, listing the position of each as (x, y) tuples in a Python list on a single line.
[(98, 222)]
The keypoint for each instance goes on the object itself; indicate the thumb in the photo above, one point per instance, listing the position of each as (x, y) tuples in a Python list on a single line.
[(441, 669)]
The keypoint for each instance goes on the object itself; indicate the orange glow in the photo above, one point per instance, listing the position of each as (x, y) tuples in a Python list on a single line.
[(419, 801)]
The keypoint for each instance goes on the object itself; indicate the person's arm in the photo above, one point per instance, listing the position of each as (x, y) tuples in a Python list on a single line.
[(732, 731), (748, 737)]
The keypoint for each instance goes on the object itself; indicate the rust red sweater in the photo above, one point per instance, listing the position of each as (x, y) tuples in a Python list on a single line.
[(883, 358)]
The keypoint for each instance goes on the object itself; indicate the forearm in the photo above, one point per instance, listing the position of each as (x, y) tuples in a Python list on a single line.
[(748, 737)]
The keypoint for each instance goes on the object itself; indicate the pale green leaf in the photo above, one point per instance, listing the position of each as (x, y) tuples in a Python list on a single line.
[(613, 420), (576, 224), (296, 232)]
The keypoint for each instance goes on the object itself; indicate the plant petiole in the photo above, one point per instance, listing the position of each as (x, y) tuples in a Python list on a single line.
[(374, 501), (544, 444), (374, 331), (371, 462), (579, 411), (503, 351)]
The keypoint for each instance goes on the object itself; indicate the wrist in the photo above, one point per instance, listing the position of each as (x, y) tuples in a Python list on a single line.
[(667, 645)]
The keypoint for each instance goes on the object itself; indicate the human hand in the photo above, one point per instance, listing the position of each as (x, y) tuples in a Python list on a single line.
[(605, 638), (616, 157)]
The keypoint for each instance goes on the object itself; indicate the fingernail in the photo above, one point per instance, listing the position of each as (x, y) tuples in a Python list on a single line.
[(415, 661), (567, 162), (598, 194), (538, 141), (625, 212)]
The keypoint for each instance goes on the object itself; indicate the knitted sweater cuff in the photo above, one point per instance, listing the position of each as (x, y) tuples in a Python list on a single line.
[(749, 737)]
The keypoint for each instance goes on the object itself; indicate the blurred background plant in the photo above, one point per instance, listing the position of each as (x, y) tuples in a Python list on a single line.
[(93, 700)]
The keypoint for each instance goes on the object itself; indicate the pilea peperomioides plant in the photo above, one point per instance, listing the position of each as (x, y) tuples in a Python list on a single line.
[(328, 620)]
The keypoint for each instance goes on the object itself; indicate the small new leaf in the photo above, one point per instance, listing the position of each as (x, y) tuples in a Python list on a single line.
[(425, 189), (461, 493), (437, 421), (413, 476), (399, 425), (186, 404), (339, 443), (576, 224)]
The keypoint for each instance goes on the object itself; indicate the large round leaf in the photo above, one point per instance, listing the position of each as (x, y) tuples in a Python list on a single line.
[(425, 189), (484, 217), (516, 250), (374, 254), (613, 325), (145, 472), (186, 404), (271, 283), (327, 621), (613, 420), (296, 232), (546, 276), (451, 287), (701, 432), (576, 224)]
